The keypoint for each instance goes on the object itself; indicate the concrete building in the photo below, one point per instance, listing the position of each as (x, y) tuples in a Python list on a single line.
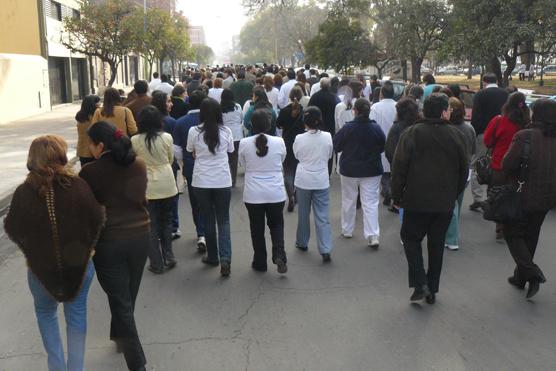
[(197, 35), (24, 81)]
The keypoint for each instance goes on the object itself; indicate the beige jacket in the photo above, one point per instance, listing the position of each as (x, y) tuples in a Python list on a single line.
[(161, 183), (122, 119)]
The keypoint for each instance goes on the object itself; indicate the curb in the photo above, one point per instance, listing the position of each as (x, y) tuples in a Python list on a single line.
[(5, 201)]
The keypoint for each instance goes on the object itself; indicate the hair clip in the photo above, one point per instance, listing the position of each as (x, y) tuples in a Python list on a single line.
[(118, 134)]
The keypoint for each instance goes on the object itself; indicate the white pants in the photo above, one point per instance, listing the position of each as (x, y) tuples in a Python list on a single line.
[(369, 189)]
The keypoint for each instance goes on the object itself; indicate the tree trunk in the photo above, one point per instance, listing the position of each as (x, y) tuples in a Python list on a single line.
[(511, 61), (173, 69), (91, 75), (470, 70), (416, 69), (113, 72), (161, 62), (151, 62), (496, 68)]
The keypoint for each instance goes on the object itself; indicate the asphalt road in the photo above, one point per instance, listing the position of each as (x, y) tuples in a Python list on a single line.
[(351, 315)]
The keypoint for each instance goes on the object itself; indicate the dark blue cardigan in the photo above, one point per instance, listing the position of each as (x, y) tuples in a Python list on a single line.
[(361, 142)]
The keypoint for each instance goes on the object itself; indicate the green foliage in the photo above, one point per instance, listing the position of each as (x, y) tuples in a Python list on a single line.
[(102, 31), (340, 43), (411, 28), (274, 34), (203, 54)]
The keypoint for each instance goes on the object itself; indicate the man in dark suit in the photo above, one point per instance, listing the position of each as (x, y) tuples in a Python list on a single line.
[(487, 103), (429, 171), (141, 100), (326, 101)]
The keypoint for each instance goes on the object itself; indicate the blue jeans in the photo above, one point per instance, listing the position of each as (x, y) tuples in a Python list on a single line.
[(176, 201), (320, 200), (195, 209), (214, 204), (75, 312), (452, 235)]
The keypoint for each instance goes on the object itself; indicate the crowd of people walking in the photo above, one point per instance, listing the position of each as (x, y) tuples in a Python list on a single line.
[(283, 128)]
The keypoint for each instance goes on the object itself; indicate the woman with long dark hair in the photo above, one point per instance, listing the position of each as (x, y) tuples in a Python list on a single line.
[(262, 155), (164, 103), (114, 113), (232, 116), (55, 220), (313, 149), (119, 183), (260, 102), (156, 148), (88, 107), (539, 192), (498, 137), (210, 143), (290, 121)]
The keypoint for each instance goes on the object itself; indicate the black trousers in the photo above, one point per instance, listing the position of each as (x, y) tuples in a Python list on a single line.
[(275, 221), (160, 213), (119, 265), (522, 239), (232, 161), (415, 227)]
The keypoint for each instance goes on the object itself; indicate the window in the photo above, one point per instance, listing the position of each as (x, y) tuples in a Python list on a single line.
[(76, 14), (55, 10)]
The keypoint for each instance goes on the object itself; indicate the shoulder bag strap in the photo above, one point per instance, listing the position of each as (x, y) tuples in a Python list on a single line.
[(524, 167)]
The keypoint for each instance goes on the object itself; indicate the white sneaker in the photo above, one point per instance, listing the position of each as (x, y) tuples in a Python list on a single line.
[(373, 242), (201, 244), (347, 235), (452, 247)]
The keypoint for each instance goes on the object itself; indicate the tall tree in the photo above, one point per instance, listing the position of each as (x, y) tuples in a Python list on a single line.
[(340, 43), (413, 27), (101, 31), (203, 54)]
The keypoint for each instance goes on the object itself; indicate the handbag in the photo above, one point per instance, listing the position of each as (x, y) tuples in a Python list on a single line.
[(504, 203), (482, 165)]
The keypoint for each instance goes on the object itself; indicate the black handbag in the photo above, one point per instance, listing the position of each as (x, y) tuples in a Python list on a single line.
[(504, 203), (482, 165)]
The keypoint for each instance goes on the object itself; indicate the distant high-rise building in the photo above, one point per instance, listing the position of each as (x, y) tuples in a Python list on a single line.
[(167, 5), (197, 35)]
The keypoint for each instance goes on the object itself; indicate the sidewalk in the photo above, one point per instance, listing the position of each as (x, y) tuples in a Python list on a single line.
[(16, 137)]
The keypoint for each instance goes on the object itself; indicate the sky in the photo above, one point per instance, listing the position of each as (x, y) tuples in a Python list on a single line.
[(221, 20)]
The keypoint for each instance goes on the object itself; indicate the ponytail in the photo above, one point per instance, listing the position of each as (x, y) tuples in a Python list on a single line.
[(261, 124), (114, 141)]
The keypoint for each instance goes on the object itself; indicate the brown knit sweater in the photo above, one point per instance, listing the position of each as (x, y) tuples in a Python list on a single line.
[(122, 190), (60, 266)]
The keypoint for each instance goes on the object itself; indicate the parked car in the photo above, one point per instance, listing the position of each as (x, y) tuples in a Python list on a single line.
[(550, 70), (449, 70), (399, 87)]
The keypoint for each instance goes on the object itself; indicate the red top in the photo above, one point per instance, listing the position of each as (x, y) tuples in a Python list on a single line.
[(499, 134)]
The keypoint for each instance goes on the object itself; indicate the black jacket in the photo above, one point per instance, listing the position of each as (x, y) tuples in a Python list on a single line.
[(430, 167), (192, 86), (326, 101), (487, 103), (292, 127), (393, 138), (179, 108), (361, 142)]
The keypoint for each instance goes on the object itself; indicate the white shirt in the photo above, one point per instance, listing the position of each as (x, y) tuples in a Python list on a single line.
[(307, 74), (313, 149), (264, 180), (367, 93), (273, 97), (215, 93), (211, 170), (227, 82), (284, 95), (153, 85), (315, 88), (234, 121), (165, 87), (384, 113), (342, 115)]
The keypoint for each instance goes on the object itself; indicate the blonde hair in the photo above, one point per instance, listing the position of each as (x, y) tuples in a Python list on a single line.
[(47, 163)]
